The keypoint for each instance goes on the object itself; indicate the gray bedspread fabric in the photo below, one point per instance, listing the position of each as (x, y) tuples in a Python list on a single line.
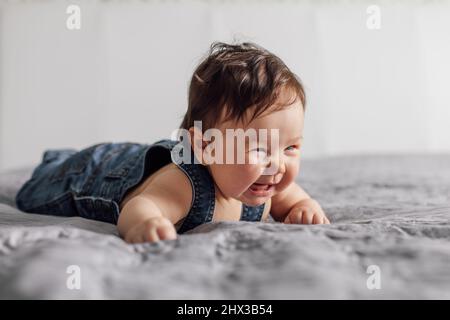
[(390, 238)]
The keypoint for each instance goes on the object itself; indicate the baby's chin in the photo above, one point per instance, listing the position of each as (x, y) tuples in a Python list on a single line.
[(252, 200)]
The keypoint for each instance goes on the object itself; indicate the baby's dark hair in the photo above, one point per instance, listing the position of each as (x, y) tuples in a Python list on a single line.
[(237, 77)]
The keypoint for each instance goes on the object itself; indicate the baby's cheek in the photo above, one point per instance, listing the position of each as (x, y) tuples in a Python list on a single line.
[(233, 179), (249, 173), (244, 176), (289, 177), (294, 169)]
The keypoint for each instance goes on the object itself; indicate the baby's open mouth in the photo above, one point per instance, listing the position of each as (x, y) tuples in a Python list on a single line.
[(259, 186)]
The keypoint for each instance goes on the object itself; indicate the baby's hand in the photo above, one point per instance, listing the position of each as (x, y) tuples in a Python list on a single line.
[(307, 211), (152, 230)]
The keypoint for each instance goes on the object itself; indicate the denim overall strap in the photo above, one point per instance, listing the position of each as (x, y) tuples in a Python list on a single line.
[(203, 204), (250, 213)]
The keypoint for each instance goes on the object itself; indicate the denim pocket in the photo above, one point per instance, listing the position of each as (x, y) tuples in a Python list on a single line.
[(62, 206), (97, 209), (121, 172)]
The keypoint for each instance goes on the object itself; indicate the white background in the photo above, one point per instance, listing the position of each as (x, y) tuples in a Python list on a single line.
[(124, 75)]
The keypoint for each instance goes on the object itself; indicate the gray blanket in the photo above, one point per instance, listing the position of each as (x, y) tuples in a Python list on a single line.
[(390, 238)]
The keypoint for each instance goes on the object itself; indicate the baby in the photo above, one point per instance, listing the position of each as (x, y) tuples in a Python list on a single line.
[(155, 191)]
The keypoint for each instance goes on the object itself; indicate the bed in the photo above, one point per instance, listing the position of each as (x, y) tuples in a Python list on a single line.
[(390, 238)]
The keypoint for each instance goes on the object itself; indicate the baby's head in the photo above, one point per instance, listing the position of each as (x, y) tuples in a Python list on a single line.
[(246, 87)]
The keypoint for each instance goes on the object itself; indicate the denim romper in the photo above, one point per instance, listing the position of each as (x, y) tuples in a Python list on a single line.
[(92, 182)]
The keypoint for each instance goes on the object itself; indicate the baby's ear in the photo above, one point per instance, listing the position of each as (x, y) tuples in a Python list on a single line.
[(196, 137), (197, 143)]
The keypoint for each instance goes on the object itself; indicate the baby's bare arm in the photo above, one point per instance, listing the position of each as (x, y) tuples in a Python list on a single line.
[(151, 215), (142, 220), (294, 205), (283, 202)]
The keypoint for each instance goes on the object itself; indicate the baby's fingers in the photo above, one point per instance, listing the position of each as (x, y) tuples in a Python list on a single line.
[(151, 234), (308, 217), (167, 231), (135, 235), (160, 228), (318, 219), (294, 218), (287, 220)]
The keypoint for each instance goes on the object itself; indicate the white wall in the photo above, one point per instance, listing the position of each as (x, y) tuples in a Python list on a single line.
[(124, 75)]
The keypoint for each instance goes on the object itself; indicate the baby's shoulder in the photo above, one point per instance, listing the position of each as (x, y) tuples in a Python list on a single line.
[(168, 182), (173, 190), (169, 177)]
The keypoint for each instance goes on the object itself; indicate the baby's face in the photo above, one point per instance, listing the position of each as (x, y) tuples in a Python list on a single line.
[(278, 166)]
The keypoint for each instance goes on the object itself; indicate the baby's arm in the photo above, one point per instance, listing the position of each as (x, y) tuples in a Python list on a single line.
[(151, 215), (294, 205)]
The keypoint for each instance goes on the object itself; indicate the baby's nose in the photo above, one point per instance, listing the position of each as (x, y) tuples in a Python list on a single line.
[(275, 166)]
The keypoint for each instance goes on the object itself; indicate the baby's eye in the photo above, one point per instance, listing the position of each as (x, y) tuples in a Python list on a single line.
[(262, 150), (292, 148)]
